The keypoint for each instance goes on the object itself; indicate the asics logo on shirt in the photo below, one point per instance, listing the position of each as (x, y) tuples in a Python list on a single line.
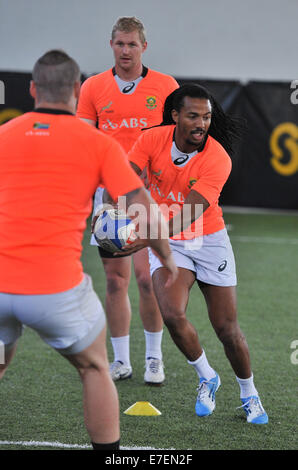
[(128, 88), (181, 160)]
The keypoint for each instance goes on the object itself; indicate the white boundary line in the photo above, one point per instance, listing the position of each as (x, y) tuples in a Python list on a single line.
[(258, 210), (272, 240), (45, 444), (66, 446)]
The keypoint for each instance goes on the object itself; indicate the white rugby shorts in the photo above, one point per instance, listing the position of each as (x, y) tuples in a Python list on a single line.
[(210, 257), (68, 321), (97, 203)]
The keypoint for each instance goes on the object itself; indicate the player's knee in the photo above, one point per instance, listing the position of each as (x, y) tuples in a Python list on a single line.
[(91, 367), (116, 283), (145, 284), (229, 332), (174, 319)]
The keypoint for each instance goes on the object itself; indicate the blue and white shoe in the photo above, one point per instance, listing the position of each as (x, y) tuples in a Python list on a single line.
[(254, 410), (206, 395)]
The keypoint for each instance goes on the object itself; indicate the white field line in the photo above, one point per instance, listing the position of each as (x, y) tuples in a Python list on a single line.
[(258, 210), (60, 445), (272, 240), (250, 239), (44, 444)]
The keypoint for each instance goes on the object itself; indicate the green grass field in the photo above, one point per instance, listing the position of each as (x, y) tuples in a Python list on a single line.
[(40, 396)]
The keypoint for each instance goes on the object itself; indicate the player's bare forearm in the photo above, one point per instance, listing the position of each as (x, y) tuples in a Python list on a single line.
[(152, 224), (194, 206)]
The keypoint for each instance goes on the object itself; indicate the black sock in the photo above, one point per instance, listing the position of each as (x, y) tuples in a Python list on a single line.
[(107, 446)]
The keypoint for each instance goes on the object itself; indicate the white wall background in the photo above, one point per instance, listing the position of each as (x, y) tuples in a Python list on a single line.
[(219, 39)]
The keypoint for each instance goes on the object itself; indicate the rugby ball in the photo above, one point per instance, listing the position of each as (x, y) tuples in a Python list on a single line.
[(113, 230)]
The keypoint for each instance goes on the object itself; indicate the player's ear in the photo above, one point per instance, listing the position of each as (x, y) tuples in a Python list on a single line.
[(145, 46), (77, 87), (32, 89), (175, 115)]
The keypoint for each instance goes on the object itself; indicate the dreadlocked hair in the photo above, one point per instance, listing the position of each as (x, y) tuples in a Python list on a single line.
[(223, 128)]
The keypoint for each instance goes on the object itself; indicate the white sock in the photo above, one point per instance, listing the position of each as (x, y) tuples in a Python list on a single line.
[(247, 387), (121, 349), (153, 344), (202, 367)]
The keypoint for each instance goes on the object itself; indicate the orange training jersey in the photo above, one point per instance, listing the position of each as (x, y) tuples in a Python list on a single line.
[(50, 166), (124, 115), (206, 173)]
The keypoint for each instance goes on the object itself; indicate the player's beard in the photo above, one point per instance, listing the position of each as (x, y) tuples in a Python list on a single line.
[(198, 145)]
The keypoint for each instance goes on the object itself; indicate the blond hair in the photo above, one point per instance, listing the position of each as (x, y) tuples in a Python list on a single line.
[(127, 24)]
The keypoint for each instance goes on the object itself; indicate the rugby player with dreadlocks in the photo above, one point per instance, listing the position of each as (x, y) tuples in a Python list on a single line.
[(188, 159)]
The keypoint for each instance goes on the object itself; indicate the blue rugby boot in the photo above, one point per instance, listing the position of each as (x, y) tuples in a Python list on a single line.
[(254, 410), (206, 395)]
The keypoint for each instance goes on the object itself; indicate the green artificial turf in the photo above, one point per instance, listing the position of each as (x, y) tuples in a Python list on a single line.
[(40, 395)]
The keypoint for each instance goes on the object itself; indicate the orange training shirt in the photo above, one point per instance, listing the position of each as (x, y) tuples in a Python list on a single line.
[(124, 115), (206, 173), (50, 166)]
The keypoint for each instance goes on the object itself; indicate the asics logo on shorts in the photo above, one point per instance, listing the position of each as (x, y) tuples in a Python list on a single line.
[(222, 266)]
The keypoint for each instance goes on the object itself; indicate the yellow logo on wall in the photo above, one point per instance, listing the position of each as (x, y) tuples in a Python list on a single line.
[(9, 113), (286, 132)]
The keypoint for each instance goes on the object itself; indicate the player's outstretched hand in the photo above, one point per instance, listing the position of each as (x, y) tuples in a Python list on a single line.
[(132, 248), (169, 263)]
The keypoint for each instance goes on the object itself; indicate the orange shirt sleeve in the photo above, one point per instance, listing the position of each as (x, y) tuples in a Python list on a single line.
[(86, 109), (140, 152), (117, 175), (213, 175)]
